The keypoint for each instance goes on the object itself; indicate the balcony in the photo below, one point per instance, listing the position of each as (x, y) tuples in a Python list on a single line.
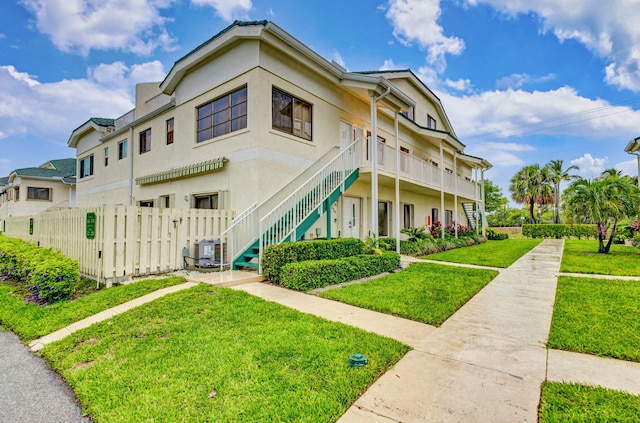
[(418, 171)]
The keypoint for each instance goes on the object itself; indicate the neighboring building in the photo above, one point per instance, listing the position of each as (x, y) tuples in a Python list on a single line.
[(633, 147), (31, 190), (251, 114)]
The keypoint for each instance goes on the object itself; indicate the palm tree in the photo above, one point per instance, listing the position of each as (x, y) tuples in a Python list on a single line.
[(610, 172), (603, 201), (557, 174), (530, 185)]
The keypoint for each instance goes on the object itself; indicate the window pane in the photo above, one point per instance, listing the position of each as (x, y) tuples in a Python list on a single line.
[(204, 111), (204, 123), (221, 117), (239, 123), (239, 110), (205, 135), (221, 104), (221, 129), (239, 96), (282, 111)]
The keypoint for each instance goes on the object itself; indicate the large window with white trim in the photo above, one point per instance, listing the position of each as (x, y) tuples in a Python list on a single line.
[(86, 166), (36, 193)]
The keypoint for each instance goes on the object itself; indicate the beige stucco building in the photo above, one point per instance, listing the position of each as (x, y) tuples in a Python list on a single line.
[(247, 118), (31, 190)]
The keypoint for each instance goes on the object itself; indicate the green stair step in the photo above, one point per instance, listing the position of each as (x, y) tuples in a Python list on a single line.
[(247, 264)]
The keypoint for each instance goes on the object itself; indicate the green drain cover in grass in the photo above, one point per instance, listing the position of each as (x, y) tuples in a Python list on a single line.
[(357, 360)]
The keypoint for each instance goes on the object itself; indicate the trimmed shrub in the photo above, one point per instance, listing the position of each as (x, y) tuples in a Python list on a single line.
[(306, 275), (275, 257), (423, 247), (48, 276), (559, 231), (494, 235)]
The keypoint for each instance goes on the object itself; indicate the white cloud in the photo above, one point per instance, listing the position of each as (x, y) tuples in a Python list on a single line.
[(78, 26), (459, 85), (629, 167), (563, 111), (609, 29), (2, 35), (502, 154), (389, 65), (590, 167), (517, 80), (417, 21), (228, 9), (337, 57), (50, 111)]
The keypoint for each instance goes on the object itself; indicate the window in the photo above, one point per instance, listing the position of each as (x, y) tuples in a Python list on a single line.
[(290, 115), (223, 115), (407, 211), (381, 142), (170, 131), (205, 201), (434, 164), (34, 193), (409, 113), (165, 201), (17, 193), (431, 122), (86, 167), (145, 203), (448, 217), (145, 141), (434, 216), (404, 159), (383, 219), (106, 156), (122, 150)]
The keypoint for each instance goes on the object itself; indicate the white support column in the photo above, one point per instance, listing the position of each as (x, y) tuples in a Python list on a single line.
[(484, 219), (455, 191), (638, 155), (442, 214), (373, 154), (477, 188), (130, 152), (397, 204)]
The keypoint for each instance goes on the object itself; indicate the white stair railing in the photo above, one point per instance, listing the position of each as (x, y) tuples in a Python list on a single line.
[(240, 234), (281, 222)]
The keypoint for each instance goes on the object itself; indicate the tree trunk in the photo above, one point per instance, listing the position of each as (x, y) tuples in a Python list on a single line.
[(532, 219), (613, 234), (557, 203), (601, 236)]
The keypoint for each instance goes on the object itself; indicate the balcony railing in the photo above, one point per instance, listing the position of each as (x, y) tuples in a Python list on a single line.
[(420, 171)]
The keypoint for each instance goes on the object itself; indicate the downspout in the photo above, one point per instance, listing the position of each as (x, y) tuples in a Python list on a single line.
[(397, 205), (442, 213), (373, 145), (131, 165), (455, 191)]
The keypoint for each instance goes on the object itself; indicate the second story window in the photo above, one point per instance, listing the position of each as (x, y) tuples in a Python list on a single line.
[(170, 131), (290, 115), (431, 122), (86, 167), (145, 141), (122, 150), (223, 115), (106, 156), (409, 113)]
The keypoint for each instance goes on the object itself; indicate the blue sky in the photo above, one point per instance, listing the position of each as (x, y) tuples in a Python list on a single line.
[(522, 81)]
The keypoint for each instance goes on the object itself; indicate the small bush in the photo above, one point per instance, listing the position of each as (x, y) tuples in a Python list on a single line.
[(494, 235), (423, 247), (275, 257), (46, 275), (559, 231), (306, 275)]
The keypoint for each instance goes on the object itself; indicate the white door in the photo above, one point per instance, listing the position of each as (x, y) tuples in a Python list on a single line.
[(350, 217)]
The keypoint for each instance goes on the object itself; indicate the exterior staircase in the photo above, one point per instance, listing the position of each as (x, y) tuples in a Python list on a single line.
[(469, 210), (249, 234)]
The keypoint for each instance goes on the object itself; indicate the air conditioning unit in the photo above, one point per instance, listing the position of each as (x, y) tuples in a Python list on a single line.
[(208, 253)]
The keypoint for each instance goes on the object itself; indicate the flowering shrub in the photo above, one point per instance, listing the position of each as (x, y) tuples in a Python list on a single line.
[(450, 230), (46, 275)]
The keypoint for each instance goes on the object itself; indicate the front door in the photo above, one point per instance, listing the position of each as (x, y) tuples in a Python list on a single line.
[(351, 217)]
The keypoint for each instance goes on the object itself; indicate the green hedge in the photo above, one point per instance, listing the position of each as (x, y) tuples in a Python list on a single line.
[(494, 235), (560, 231), (425, 247), (306, 275), (48, 276), (275, 257)]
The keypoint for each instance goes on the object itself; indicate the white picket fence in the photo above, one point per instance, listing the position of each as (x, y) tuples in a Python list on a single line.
[(128, 241)]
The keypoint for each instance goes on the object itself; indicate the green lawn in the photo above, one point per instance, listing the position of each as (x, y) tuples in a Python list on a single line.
[(563, 402), (491, 253), (217, 355), (597, 316), (425, 292), (30, 321), (581, 256)]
